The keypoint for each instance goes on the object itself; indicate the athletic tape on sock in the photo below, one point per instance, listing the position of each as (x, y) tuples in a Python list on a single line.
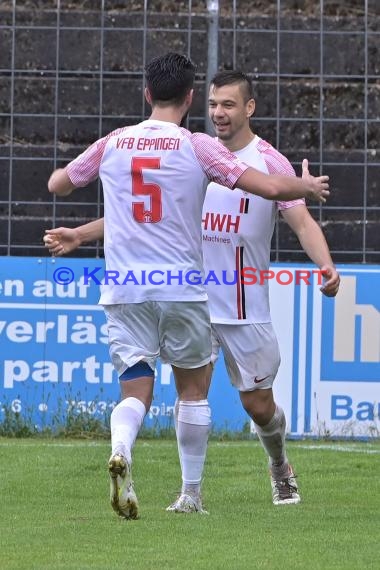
[(196, 413)]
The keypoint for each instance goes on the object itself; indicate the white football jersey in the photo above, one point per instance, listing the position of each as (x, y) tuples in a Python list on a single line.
[(237, 231), (154, 178)]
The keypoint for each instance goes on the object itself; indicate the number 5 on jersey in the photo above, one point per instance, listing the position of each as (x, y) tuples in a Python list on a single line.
[(141, 188)]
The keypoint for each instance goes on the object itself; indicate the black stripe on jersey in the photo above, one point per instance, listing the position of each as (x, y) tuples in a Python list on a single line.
[(243, 314), (244, 203)]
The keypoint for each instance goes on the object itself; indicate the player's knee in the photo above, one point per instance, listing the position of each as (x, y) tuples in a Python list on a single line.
[(259, 405)]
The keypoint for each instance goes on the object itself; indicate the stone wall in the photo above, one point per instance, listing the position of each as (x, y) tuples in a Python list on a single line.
[(70, 76)]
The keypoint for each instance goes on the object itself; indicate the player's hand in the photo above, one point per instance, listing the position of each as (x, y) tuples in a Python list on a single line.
[(61, 240), (318, 186), (332, 280)]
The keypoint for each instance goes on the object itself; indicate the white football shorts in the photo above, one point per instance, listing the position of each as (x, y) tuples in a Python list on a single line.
[(179, 332), (251, 354)]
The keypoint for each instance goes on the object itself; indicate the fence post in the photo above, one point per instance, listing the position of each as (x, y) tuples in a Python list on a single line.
[(212, 54)]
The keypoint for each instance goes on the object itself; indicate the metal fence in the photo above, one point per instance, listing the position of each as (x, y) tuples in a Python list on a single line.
[(72, 71)]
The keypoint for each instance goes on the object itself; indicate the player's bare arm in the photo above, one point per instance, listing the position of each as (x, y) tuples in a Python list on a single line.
[(314, 244), (277, 187), (60, 183), (61, 241)]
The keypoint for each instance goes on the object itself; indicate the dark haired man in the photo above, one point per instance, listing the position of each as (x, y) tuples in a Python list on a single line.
[(240, 316), (154, 178)]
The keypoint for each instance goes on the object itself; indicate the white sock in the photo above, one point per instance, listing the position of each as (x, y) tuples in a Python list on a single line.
[(272, 437), (194, 420), (126, 420), (175, 416)]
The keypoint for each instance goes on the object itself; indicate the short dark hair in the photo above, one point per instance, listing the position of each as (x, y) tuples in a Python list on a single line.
[(223, 78), (169, 78)]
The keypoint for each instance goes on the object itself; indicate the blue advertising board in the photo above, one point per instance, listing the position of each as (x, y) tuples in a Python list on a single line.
[(54, 353)]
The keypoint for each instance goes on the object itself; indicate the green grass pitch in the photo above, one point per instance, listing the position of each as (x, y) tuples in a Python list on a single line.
[(55, 513)]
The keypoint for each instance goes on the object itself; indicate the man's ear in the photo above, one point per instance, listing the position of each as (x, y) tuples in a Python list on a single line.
[(251, 106), (148, 96), (189, 97)]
